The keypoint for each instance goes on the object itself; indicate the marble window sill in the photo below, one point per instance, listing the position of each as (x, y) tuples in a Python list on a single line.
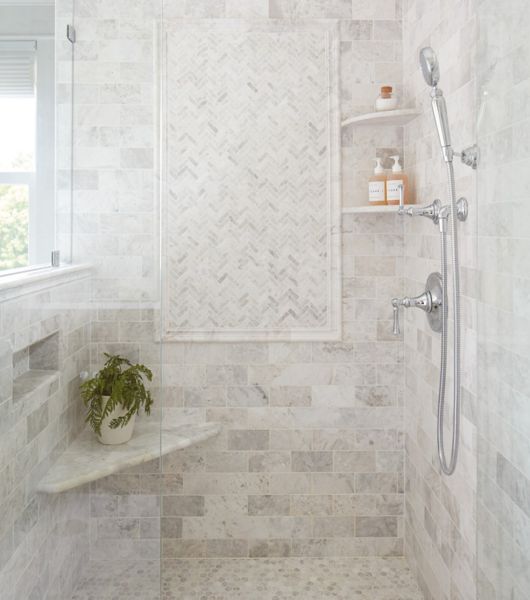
[(17, 284)]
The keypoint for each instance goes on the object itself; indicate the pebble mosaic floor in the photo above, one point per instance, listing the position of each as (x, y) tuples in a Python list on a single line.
[(252, 579)]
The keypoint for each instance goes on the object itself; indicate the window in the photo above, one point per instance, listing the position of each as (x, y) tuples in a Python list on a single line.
[(26, 153)]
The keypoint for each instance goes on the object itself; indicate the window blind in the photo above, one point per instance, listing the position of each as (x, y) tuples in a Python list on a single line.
[(17, 68)]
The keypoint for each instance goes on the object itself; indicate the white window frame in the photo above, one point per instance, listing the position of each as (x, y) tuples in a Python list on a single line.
[(41, 182)]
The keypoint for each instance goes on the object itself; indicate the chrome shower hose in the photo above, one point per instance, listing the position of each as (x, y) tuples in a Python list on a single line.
[(449, 467)]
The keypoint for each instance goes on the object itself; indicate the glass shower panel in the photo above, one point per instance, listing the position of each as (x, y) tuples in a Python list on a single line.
[(45, 344), (503, 409), (115, 222)]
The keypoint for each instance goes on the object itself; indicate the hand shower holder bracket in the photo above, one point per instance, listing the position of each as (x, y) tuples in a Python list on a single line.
[(462, 209), (470, 156)]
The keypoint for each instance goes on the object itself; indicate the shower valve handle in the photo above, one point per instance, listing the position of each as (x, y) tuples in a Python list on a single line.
[(395, 307), (430, 302), (423, 302)]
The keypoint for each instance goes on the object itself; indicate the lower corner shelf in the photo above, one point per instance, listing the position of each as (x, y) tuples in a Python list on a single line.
[(354, 210), (87, 460)]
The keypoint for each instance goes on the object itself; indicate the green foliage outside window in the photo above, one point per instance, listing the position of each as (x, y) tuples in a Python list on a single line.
[(13, 226)]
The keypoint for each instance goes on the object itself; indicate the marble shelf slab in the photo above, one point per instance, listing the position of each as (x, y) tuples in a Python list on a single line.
[(395, 118), (355, 210), (87, 460)]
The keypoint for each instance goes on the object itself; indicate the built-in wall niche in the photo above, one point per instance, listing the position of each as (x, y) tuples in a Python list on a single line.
[(35, 365)]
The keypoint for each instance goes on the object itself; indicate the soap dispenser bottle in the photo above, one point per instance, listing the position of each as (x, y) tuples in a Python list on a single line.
[(396, 179), (377, 185)]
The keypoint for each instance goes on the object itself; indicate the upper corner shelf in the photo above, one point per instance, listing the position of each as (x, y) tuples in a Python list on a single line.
[(395, 118)]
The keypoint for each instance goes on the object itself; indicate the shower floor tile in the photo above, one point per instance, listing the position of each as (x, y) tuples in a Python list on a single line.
[(252, 579)]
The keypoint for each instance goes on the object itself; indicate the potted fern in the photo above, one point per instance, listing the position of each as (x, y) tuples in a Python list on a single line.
[(114, 396)]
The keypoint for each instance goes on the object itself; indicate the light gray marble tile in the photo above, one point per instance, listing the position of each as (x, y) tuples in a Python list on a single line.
[(269, 462), (226, 548), (354, 462), (269, 548), (248, 439), (179, 506), (171, 527), (247, 396), (268, 505), (312, 461), (376, 526), (290, 396), (332, 9), (315, 505), (329, 527)]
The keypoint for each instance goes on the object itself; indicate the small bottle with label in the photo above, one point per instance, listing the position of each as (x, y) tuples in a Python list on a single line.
[(396, 179), (377, 185)]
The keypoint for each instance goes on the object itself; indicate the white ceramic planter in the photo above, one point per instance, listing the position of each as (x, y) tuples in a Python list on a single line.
[(120, 435)]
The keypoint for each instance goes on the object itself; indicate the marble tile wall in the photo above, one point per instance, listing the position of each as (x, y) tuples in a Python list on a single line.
[(311, 458), (503, 414), (310, 461), (43, 539), (440, 525)]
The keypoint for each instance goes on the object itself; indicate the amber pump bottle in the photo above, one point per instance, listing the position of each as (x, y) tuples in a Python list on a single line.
[(394, 180), (377, 185)]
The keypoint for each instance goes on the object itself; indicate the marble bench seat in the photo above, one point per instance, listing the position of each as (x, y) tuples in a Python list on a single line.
[(87, 460)]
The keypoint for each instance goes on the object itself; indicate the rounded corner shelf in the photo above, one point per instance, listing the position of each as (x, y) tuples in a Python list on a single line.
[(395, 118), (87, 460), (355, 210)]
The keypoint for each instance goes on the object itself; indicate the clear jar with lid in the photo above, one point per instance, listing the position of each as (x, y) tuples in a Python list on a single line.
[(386, 100)]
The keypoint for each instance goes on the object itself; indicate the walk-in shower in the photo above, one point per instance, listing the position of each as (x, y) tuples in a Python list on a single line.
[(434, 300), (211, 181)]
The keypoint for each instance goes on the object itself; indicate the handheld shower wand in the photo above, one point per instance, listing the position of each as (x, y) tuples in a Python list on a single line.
[(431, 73)]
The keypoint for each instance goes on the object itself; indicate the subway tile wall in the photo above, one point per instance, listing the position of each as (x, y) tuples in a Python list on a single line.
[(310, 459), (44, 346), (503, 414), (440, 511)]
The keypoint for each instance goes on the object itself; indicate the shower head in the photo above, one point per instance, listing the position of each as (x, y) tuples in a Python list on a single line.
[(431, 73), (429, 66)]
